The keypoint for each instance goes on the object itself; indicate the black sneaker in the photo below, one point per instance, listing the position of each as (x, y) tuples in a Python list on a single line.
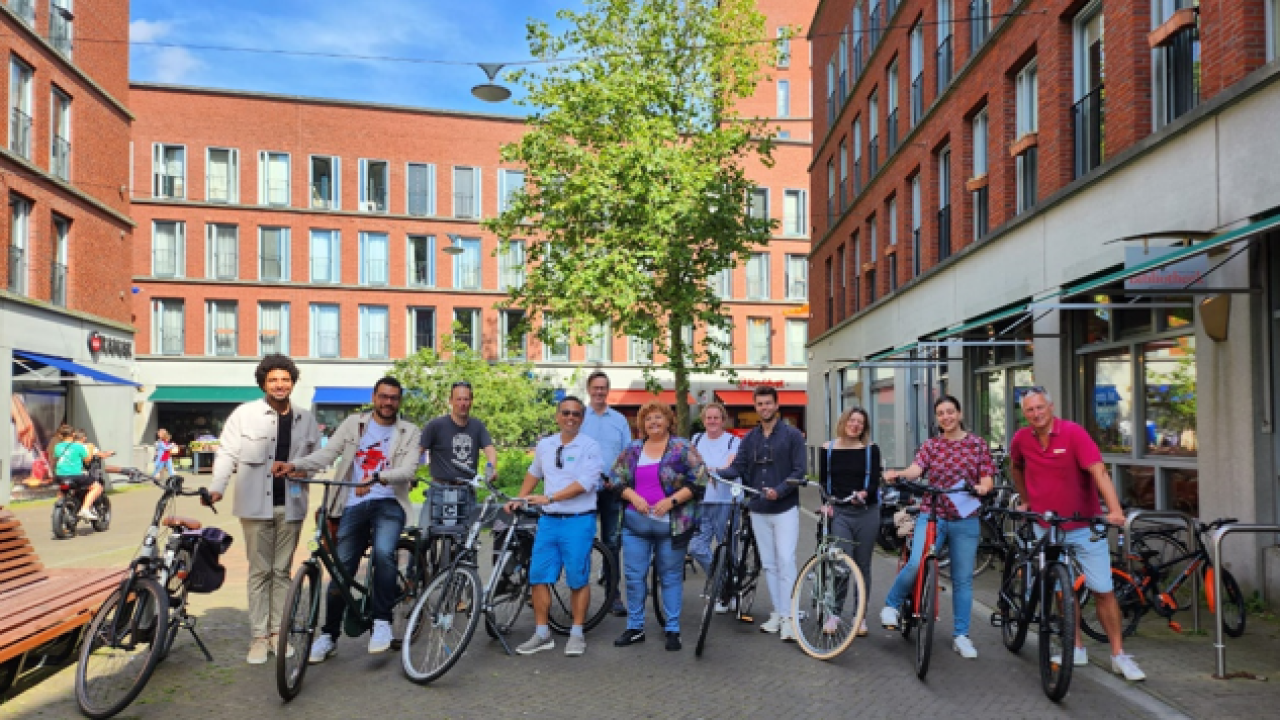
[(629, 637), (673, 641)]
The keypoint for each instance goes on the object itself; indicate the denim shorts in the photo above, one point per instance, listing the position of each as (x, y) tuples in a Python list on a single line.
[(563, 542), (1094, 557)]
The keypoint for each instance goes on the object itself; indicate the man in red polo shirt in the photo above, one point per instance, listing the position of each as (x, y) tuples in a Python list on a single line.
[(1057, 467)]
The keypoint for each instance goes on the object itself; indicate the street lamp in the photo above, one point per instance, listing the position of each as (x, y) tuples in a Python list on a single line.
[(490, 91), (455, 245)]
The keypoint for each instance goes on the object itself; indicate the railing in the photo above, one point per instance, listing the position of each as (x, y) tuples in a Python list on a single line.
[(420, 273), (1220, 649), (831, 108), (893, 272), (979, 24), (1188, 523), (171, 343), (1181, 74), (20, 133), (464, 205), (468, 278), (60, 29), (944, 233), (944, 58), (226, 266), (844, 193), (375, 345), (915, 252), (60, 155), (1087, 118), (272, 268), (757, 288), (844, 85), (169, 186), (980, 214), (164, 263), (321, 195), (270, 341), (58, 284), (17, 270), (327, 344), (224, 341), (1027, 181), (798, 290), (831, 211), (873, 157), (218, 189), (859, 63), (917, 99), (871, 287), (841, 300), (857, 293), (892, 126), (25, 9)]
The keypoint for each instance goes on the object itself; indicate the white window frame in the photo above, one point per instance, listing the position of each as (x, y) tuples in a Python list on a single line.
[(180, 250), (504, 335), (429, 258), (20, 238), (873, 236), (60, 127), (784, 99), (893, 222), (511, 264), (467, 244), (793, 221), (557, 349), (1079, 46), (367, 241), (333, 238), (61, 246), (504, 186), (233, 175), (366, 204), (21, 89), (944, 177), (796, 348), (314, 201), (797, 271), (212, 330), (368, 315), (477, 186), (477, 326), (873, 120), (265, 158), (857, 139), (430, 191), (725, 335), (284, 252), (412, 324), (317, 311), (784, 49), (282, 332), (639, 352), (754, 343), (751, 198), (1027, 94), (722, 283), (915, 60), (158, 308), (158, 152), (760, 262), (212, 255), (981, 140), (599, 347), (891, 80)]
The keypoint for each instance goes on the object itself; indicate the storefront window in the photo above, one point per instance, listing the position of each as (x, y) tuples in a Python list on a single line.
[(1023, 380), (1184, 490), (1170, 387), (882, 413), (1110, 397), (991, 406), (1098, 323), (1137, 486)]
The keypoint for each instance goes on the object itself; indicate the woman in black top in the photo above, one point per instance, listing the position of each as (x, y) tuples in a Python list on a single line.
[(849, 465)]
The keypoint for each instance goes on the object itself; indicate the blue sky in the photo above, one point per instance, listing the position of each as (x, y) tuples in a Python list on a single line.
[(466, 31)]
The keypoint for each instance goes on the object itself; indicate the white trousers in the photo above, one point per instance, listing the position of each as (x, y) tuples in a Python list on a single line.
[(776, 536)]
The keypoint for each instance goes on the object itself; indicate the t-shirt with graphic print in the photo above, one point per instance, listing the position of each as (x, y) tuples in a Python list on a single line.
[(372, 455), (952, 464), (445, 441)]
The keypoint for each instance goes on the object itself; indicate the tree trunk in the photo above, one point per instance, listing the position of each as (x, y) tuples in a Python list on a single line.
[(681, 372)]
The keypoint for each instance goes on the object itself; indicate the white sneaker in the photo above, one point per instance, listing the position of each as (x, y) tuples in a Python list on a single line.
[(773, 624), (964, 646), (889, 618), (380, 638), (89, 514), (722, 608), (1079, 658), (786, 631), (321, 648), (1124, 665)]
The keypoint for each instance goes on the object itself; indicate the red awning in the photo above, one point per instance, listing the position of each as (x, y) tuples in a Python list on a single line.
[(745, 398), (636, 398)]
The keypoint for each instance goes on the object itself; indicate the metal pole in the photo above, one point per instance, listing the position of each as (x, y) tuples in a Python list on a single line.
[(1219, 648)]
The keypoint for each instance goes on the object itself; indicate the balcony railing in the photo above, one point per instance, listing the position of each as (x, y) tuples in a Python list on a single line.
[(272, 268), (60, 29), (859, 63), (224, 341), (375, 272), (375, 345), (225, 266), (327, 344), (831, 211), (468, 278), (1087, 118), (916, 265), (979, 24), (464, 205), (421, 273), (873, 157), (25, 9), (58, 284), (893, 272), (797, 290), (20, 133), (944, 233), (891, 125), (1181, 73), (60, 154), (171, 342), (164, 263), (271, 342), (980, 214), (757, 288), (873, 27), (917, 99), (857, 177), (945, 60), (169, 186), (831, 311), (841, 304), (1027, 172), (844, 85), (844, 193), (831, 108), (17, 270), (871, 287)]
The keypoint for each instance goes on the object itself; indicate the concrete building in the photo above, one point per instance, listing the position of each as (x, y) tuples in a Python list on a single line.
[(1008, 205), (66, 326)]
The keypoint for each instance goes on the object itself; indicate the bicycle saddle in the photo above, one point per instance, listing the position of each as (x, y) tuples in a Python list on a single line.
[(182, 523)]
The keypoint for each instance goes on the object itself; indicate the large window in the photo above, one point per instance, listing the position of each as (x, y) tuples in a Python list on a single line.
[(793, 213), (58, 276), (60, 142), (556, 349), (1176, 69), (891, 119), (758, 276), (719, 342), (19, 243), (1087, 115), (784, 48), (759, 205), (61, 26), (20, 82), (722, 283), (979, 196), (599, 347), (422, 260), (273, 328), (917, 74), (510, 182), (916, 218), (222, 175), (466, 266), (944, 204), (421, 188), (221, 321), (512, 340), (511, 265), (884, 424), (326, 184), (873, 136), (273, 253), (222, 256), (326, 338), (169, 171), (784, 98), (639, 351), (466, 327), (797, 277), (422, 329), (374, 332), (273, 179), (945, 53), (375, 178), (759, 341), (466, 192), (168, 248), (167, 323), (1027, 87), (797, 337), (325, 256), (1004, 374), (375, 258)]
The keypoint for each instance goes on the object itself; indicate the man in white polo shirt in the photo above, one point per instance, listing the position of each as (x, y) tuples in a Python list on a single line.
[(568, 464)]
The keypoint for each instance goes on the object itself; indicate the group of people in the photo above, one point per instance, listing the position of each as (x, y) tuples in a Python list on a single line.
[(73, 458), (653, 500)]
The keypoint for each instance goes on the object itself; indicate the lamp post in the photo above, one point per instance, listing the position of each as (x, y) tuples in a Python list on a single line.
[(491, 91)]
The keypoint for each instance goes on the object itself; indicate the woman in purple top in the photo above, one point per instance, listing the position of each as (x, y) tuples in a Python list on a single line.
[(661, 478)]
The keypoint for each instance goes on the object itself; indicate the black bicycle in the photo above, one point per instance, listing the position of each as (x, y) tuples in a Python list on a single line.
[(137, 625), (735, 567)]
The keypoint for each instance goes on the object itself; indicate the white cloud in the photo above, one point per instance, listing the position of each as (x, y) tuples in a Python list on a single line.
[(174, 65), (148, 30)]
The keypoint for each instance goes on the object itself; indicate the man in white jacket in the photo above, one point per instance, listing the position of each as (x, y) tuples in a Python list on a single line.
[(380, 452)]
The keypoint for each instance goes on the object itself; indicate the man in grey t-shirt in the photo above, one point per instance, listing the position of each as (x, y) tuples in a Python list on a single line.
[(455, 438)]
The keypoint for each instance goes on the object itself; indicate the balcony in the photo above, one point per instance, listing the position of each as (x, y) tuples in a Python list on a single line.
[(944, 233), (981, 217), (20, 133), (58, 284), (917, 99), (375, 345), (224, 341), (271, 342), (873, 157), (60, 156), (859, 63), (945, 61), (1181, 73), (891, 125), (326, 344), (17, 270), (979, 24), (60, 29), (1087, 119), (464, 206), (164, 262)]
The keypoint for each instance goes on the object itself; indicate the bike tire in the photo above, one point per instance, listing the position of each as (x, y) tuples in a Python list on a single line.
[(655, 596), (825, 626), (928, 617), (293, 646), (604, 573), (410, 582), (126, 635), (711, 591), (63, 521), (748, 578), (1171, 561), (102, 507), (507, 600), (990, 547), (1233, 612), (1057, 632), (177, 594), (1126, 595), (1014, 616), (429, 652)]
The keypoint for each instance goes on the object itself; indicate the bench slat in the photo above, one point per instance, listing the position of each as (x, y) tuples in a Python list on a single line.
[(45, 603)]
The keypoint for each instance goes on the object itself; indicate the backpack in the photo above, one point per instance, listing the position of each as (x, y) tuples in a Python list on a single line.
[(206, 545)]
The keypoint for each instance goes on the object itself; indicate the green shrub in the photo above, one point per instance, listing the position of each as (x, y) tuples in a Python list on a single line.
[(513, 464)]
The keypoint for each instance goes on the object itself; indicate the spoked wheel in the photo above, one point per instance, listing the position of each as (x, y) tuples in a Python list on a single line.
[(928, 616), (1057, 633), (711, 592), (1129, 598), (828, 604), (122, 648), (1012, 607), (1232, 603), (509, 596), (448, 613), (177, 594), (604, 579), (302, 606), (63, 521), (102, 508), (748, 579), (410, 583), (990, 547)]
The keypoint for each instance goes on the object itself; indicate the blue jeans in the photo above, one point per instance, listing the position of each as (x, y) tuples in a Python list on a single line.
[(645, 542), (962, 536), (380, 520), (712, 528)]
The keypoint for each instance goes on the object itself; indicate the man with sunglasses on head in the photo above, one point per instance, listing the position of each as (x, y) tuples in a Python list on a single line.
[(453, 442), (568, 464)]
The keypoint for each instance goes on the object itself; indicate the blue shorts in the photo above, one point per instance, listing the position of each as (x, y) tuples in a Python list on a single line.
[(1094, 557), (563, 542)]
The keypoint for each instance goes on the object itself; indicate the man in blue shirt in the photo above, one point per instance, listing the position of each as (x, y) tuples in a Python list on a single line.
[(612, 433)]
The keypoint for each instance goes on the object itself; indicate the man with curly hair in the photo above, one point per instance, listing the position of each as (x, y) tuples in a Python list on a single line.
[(261, 435)]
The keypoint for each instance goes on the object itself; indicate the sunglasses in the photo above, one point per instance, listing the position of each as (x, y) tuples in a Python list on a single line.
[(559, 458), (460, 383), (571, 413)]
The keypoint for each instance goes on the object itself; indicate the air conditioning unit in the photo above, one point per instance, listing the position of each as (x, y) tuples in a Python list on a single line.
[(369, 206)]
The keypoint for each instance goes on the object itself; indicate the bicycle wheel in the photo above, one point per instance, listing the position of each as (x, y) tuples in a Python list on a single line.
[(717, 575), (121, 648), (1168, 556), (655, 596), (448, 612), (293, 647), (63, 521), (409, 584), (177, 594), (928, 613), (604, 574), (1128, 597), (990, 547), (1013, 607), (102, 508), (1057, 632), (1232, 603), (827, 605), (508, 597)]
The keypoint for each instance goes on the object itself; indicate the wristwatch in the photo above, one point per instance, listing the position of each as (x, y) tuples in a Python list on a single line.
[(549, 498)]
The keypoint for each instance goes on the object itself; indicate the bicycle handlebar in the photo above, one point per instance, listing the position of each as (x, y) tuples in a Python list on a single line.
[(1097, 525), (172, 485), (716, 477), (826, 498)]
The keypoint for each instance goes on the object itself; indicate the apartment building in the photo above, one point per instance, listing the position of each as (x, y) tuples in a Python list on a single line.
[(1076, 195)]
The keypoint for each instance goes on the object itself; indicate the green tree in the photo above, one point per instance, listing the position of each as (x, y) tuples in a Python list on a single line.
[(635, 179)]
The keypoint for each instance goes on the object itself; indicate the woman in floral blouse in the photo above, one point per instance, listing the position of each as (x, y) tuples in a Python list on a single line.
[(661, 478)]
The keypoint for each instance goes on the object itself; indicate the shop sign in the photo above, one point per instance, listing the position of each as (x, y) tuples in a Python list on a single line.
[(111, 347), (747, 384), (1187, 273)]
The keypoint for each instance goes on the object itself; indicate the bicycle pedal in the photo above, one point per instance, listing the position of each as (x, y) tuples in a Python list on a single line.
[(997, 620), (1175, 626), (746, 619)]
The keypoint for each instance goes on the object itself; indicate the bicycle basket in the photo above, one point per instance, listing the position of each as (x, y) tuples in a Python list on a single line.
[(206, 574)]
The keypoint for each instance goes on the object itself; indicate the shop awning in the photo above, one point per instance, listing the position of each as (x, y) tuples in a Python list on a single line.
[(891, 353), (342, 396), (746, 398), (636, 398), (987, 319), (76, 368), (205, 394)]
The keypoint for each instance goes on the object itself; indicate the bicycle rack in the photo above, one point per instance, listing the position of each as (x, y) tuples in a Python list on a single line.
[(1192, 536), (1219, 648)]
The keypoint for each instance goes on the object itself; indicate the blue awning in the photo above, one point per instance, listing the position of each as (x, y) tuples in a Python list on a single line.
[(343, 396), (76, 368)]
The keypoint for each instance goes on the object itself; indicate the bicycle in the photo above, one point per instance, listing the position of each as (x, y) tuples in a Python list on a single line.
[(136, 626), (819, 601), (302, 603), (735, 566)]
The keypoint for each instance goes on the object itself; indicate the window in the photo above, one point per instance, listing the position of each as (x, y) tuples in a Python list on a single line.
[(759, 203), (784, 98), (169, 171), (467, 327), (857, 156), (842, 284), (556, 349), (758, 340), (167, 323), (945, 54), (871, 273), (273, 179), (857, 42), (24, 9), (422, 329), (326, 338), (168, 248), (222, 256), (916, 219), (719, 342), (831, 293), (599, 347), (466, 267), (1027, 95), (857, 273), (944, 204), (326, 184), (784, 48), (19, 243), (273, 253), (60, 143), (58, 278), (758, 276), (421, 189), (1273, 30), (61, 24), (374, 332), (797, 336), (422, 260), (917, 74), (511, 265), (843, 57), (374, 180), (722, 284), (884, 425), (640, 351), (980, 170), (831, 92), (221, 322), (510, 182), (873, 135), (892, 212), (222, 175), (979, 24), (793, 213), (466, 192), (874, 23), (273, 328), (797, 277), (20, 82), (375, 258), (1176, 68), (325, 256), (844, 175), (831, 192), (1088, 112), (891, 120)]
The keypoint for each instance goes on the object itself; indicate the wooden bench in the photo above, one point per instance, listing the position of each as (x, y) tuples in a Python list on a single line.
[(40, 607)]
